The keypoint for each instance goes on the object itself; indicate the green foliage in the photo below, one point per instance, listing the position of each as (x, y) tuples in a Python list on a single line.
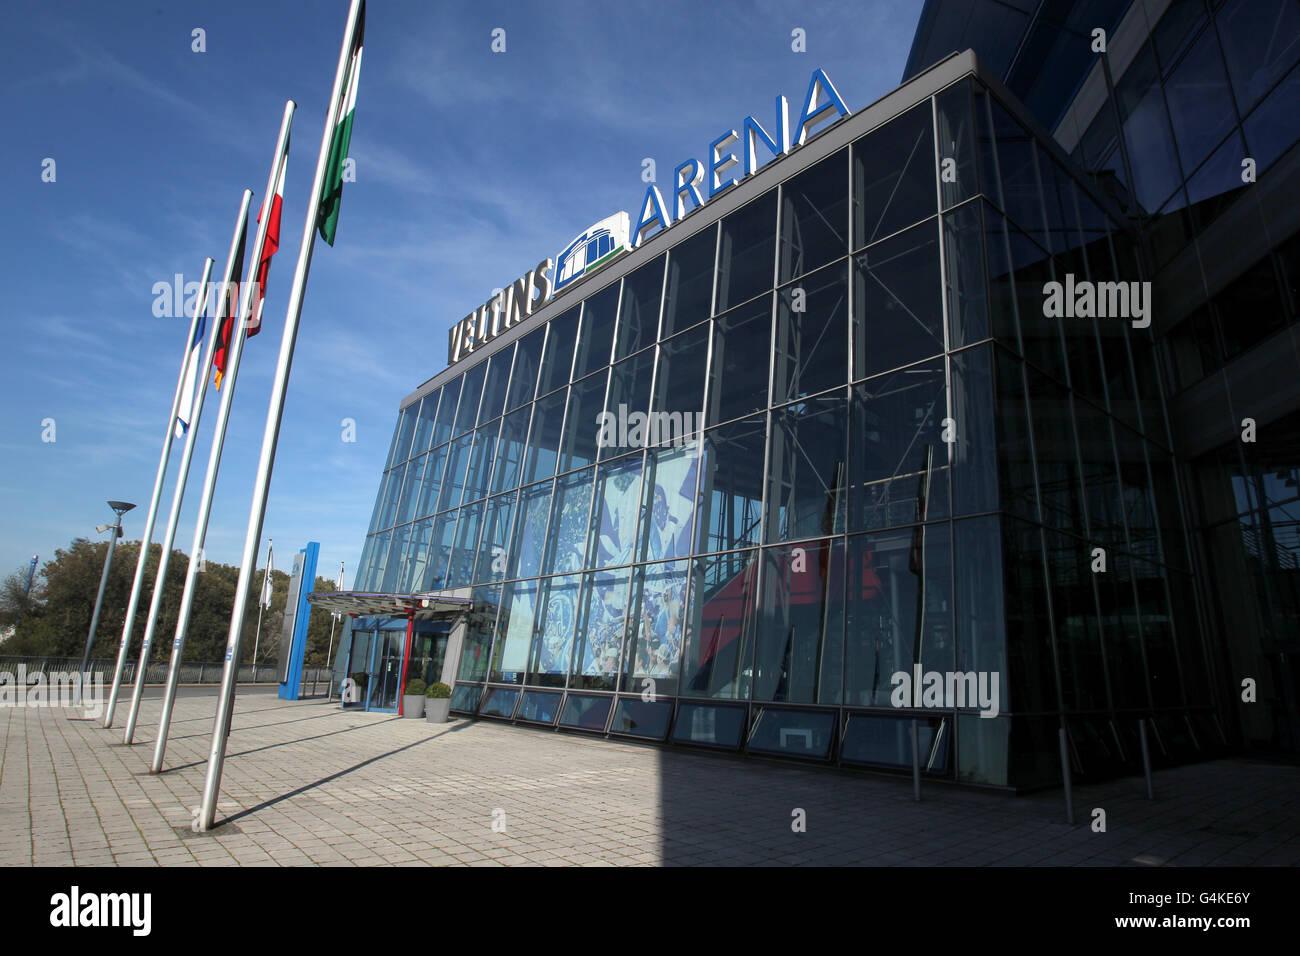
[(439, 691), (361, 679), (415, 687)]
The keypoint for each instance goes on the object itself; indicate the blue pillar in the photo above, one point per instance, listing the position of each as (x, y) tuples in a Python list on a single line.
[(301, 617)]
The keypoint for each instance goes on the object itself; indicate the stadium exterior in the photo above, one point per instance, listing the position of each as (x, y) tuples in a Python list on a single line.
[(949, 396)]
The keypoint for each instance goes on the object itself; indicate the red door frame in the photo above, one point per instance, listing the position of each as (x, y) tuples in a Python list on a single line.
[(406, 660)]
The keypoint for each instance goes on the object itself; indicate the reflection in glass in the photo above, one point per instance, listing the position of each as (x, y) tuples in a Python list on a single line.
[(638, 312), (566, 543), (812, 322), (800, 624), (745, 258), (807, 469), (614, 516), (893, 176), (557, 615), (898, 306), (814, 217), (688, 297), (742, 347), (716, 662), (600, 629), (668, 503), (656, 627), (514, 632)]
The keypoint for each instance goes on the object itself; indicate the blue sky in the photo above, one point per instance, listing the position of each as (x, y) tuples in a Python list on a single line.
[(471, 167)]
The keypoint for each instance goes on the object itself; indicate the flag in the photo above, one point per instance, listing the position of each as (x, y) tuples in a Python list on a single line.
[(271, 246), (339, 587), (265, 599), (327, 213), (189, 390), (229, 308)]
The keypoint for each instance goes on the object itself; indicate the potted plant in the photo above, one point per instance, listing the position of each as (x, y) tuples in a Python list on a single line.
[(438, 704), (413, 698)]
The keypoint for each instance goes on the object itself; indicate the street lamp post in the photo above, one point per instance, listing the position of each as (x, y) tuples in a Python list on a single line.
[(115, 531)]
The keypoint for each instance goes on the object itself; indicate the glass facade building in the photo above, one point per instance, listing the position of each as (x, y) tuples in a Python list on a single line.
[(821, 433)]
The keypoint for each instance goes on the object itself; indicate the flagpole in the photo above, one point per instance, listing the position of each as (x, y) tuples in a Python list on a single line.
[(173, 519), (334, 619), (275, 412), (261, 604), (234, 350), (147, 536)]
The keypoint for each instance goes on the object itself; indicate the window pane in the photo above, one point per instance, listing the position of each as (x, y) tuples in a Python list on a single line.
[(812, 344), (893, 176), (424, 422), (815, 217), (742, 348), (898, 308), (1269, 129), (800, 624), (597, 335), (539, 706), (956, 142), (793, 733), (638, 313), (523, 380), (544, 438), (981, 634), (453, 482), (1146, 131), (479, 473), (1261, 41), (530, 531), (392, 493), (890, 573), (496, 538), (417, 557), (1015, 463), (629, 394), (600, 629), (615, 513), (557, 360), (1078, 634), (963, 249), (514, 632), (442, 428), (566, 543), (470, 394), (876, 741), (511, 446), (640, 718), (557, 613), (745, 258), (689, 293), (723, 589), (1200, 105), (679, 385), (1058, 475), (731, 490), (1029, 646), (411, 490), (656, 627), (899, 457), (465, 556), (709, 725), (478, 633), (582, 422), (444, 534), (807, 469), (668, 506), (402, 440), (494, 385), (973, 455), (584, 712)]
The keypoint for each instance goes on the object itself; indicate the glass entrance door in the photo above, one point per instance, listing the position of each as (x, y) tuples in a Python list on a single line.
[(386, 670)]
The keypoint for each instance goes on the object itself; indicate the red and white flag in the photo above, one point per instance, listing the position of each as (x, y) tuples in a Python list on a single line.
[(271, 247)]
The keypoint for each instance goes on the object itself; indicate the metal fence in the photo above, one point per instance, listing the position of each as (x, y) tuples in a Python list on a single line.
[(192, 672)]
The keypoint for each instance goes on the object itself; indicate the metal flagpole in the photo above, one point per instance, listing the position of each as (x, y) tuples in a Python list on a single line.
[(334, 619), (234, 350), (263, 602), (178, 495), (147, 535), (275, 412)]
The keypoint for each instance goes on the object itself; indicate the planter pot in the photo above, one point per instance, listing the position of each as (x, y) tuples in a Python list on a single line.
[(436, 710), (413, 705)]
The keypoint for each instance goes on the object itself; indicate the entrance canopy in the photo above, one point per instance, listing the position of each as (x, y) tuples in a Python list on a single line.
[(368, 604)]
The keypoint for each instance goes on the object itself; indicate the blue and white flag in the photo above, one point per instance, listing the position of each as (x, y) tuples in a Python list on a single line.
[(189, 390)]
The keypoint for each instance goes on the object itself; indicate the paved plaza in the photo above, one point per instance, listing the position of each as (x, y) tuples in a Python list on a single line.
[(306, 783)]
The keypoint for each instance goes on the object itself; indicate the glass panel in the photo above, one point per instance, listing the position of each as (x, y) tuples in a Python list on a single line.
[(405, 429), (586, 712), (393, 566), (875, 741), (600, 630), (893, 176), (745, 258), (717, 659), (425, 422), (814, 217), (709, 725), (472, 391), (742, 348), (566, 543), (807, 469), (1059, 489), (391, 495), (597, 336), (582, 423), (442, 428), (411, 490), (1015, 462), (615, 514), (431, 484), (638, 313), (1200, 105), (629, 395), (956, 142), (639, 718), (1261, 41), (540, 707), (494, 385), (544, 438), (689, 294), (464, 698), (1019, 174), (499, 702), (1269, 129), (800, 624), (514, 632), (530, 531), (511, 447), (444, 532), (479, 625), (453, 481), (963, 248), (898, 305), (793, 733), (656, 627), (557, 359), (981, 633), (479, 472), (1029, 644), (899, 457), (1078, 633), (668, 503), (812, 319), (731, 490), (465, 556), (496, 538), (557, 613), (379, 560), (973, 454), (528, 359), (679, 386), (1146, 131), (898, 610)]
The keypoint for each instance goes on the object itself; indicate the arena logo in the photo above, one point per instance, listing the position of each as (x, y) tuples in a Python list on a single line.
[(604, 241)]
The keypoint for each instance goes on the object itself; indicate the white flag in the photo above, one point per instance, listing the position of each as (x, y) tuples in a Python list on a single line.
[(339, 587), (266, 582), (189, 390)]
